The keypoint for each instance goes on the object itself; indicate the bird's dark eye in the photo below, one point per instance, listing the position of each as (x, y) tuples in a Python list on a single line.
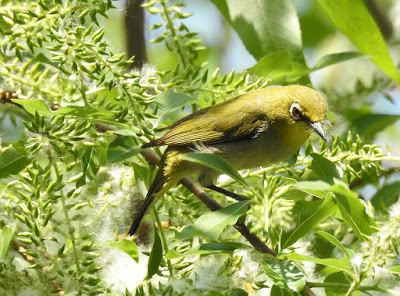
[(295, 112)]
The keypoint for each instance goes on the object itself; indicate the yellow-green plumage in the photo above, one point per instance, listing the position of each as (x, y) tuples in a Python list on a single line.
[(255, 129)]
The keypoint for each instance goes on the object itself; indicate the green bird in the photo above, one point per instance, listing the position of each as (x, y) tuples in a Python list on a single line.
[(255, 129)]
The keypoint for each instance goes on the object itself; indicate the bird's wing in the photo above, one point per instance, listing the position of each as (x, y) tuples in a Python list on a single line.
[(216, 124)]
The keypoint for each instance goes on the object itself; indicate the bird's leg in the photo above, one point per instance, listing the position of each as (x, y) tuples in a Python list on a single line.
[(227, 193)]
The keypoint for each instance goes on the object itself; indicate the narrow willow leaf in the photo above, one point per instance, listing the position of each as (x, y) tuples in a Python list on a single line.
[(353, 211), (215, 162), (91, 162), (333, 240), (6, 235), (155, 256), (307, 216), (264, 26), (324, 168), (275, 277), (395, 269), (336, 58), (284, 274), (338, 278), (355, 21), (212, 224), (342, 265), (317, 188)]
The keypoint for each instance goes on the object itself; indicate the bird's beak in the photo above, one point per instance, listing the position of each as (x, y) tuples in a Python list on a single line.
[(317, 127)]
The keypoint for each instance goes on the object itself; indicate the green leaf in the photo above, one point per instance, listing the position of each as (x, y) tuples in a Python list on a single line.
[(264, 26), (334, 241), (395, 269), (338, 278), (12, 162), (275, 277), (215, 162), (212, 224), (386, 196), (155, 256), (317, 188), (90, 164), (129, 247), (278, 291), (308, 215), (353, 19), (6, 235), (79, 112), (323, 168), (284, 274), (169, 103), (353, 211), (336, 58), (122, 148), (279, 67), (208, 248), (342, 265)]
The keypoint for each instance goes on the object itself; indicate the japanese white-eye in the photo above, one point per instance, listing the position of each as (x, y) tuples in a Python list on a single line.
[(255, 129)]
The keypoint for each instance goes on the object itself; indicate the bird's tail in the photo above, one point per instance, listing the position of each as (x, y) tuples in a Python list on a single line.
[(159, 186)]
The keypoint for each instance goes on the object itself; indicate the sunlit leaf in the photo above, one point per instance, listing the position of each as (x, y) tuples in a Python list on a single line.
[(336, 58), (212, 224), (342, 265), (129, 247), (355, 21), (317, 188), (307, 215), (6, 235), (264, 26)]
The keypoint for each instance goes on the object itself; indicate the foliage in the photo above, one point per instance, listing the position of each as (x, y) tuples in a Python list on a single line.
[(73, 174)]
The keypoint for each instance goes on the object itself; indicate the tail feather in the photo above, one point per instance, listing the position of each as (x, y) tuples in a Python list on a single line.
[(157, 188)]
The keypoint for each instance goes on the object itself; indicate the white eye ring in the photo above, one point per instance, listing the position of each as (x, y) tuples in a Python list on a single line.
[(295, 112)]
